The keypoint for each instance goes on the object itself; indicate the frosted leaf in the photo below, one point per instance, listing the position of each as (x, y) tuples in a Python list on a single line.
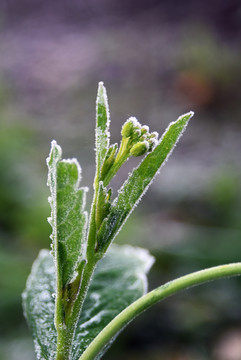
[(138, 182), (102, 128), (38, 305), (68, 218), (119, 279)]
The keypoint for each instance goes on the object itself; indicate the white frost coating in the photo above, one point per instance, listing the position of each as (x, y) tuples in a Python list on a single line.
[(37, 349), (190, 113), (54, 156), (49, 219), (145, 127), (134, 121), (96, 297), (42, 254), (143, 254), (103, 100), (155, 134), (102, 95), (95, 319), (147, 261), (58, 148), (38, 302), (45, 296), (102, 136), (154, 142), (147, 144), (83, 333)]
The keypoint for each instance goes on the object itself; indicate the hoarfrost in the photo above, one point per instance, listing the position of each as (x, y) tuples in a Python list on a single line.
[(68, 218), (102, 135), (120, 279), (134, 121), (145, 127), (39, 305)]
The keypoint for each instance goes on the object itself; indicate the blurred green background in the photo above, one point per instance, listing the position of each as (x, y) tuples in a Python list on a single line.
[(158, 59)]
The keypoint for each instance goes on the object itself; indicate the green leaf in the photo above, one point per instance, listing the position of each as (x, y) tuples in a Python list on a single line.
[(102, 128), (139, 181), (119, 279), (38, 305), (68, 218)]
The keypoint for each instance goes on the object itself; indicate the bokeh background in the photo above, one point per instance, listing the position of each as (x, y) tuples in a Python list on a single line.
[(158, 59)]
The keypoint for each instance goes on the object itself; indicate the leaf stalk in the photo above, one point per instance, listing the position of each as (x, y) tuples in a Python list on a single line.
[(151, 298)]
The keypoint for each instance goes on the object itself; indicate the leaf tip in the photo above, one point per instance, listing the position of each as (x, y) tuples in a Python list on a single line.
[(102, 95), (188, 115), (55, 153)]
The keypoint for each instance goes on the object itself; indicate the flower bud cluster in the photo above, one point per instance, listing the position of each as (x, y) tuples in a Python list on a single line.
[(136, 141), (140, 140)]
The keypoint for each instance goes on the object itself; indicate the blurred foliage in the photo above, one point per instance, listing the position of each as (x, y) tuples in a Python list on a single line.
[(209, 70), (23, 212)]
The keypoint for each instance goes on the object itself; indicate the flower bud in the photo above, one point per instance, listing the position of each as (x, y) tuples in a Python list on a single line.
[(109, 160), (136, 134), (139, 148), (153, 142), (127, 129), (154, 135), (144, 129)]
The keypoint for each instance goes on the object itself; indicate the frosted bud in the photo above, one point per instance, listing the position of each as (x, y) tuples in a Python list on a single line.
[(109, 160), (144, 129), (153, 142), (139, 148), (136, 133), (154, 135), (127, 129)]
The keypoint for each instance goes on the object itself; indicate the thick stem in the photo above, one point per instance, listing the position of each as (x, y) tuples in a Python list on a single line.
[(160, 293), (64, 341), (67, 331)]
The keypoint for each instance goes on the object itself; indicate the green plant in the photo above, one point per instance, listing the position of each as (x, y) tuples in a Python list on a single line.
[(79, 297)]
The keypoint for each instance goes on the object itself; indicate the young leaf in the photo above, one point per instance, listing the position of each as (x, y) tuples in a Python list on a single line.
[(68, 218), (119, 279), (102, 128), (138, 182), (102, 136)]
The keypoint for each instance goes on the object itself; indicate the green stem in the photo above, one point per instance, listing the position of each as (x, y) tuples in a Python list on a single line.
[(160, 293), (121, 157), (66, 332)]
